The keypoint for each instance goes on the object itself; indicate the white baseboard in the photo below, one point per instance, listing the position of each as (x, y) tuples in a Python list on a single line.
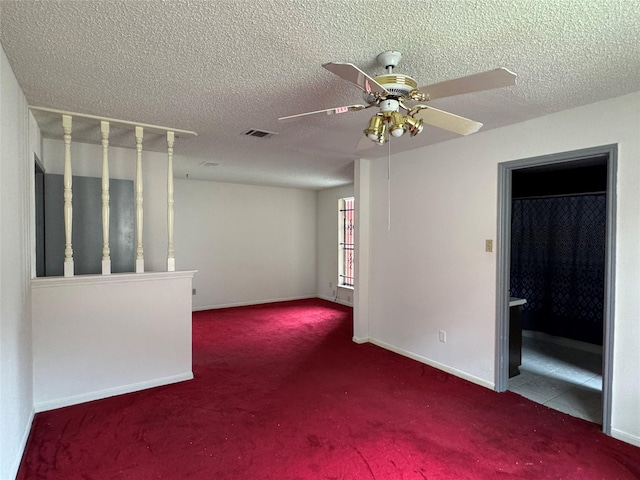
[(111, 392), (360, 340), (625, 437), (336, 300), (249, 303), (343, 302), (434, 364), (13, 471), (264, 302), (565, 342)]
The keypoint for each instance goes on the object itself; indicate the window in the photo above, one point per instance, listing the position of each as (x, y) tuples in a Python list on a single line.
[(346, 242)]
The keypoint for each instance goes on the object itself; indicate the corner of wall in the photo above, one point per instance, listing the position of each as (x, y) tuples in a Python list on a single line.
[(16, 361), (326, 243)]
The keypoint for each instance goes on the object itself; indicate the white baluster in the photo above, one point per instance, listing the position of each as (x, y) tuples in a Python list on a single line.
[(68, 194), (171, 260), (106, 251), (139, 249)]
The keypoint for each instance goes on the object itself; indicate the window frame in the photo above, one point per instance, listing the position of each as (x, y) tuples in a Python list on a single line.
[(346, 242)]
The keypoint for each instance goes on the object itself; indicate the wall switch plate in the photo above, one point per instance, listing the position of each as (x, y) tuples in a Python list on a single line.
[(193, 291), (442, 336), (488, 246)]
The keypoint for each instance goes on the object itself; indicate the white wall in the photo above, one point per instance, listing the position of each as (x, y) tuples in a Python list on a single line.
[(327, 249), (97, 336), (430, 271), (250, 244), (16, 393)]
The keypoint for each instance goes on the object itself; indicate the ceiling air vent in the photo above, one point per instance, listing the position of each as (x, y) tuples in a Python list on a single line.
[(209, 164), (258, 133)]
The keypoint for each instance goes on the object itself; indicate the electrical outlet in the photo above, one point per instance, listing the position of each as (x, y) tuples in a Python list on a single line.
[(330, 284), (488, 246), (193, 291), (442, 336), (348, 298)]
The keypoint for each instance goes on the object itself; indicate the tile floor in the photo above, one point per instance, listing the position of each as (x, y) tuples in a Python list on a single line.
[(560, 377)]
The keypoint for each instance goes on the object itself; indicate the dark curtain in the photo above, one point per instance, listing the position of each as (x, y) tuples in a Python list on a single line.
[(558, 264)]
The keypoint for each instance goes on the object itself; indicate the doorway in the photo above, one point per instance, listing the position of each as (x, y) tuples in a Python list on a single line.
[(521, 177)]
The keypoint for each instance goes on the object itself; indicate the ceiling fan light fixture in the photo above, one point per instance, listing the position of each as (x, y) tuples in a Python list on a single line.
[(384, 133), (390, 92), (397, 122), (414, 126), (376, 126)]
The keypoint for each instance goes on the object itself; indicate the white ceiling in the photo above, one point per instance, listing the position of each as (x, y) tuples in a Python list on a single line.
[(220, 68)]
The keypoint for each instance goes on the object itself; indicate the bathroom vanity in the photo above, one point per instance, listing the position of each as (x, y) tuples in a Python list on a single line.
[(515, 335)]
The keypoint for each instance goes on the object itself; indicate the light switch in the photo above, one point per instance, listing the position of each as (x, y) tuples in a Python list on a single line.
[(488, 246)]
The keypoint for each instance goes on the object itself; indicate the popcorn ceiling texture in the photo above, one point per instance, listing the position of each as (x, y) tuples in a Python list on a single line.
[(222, 67)]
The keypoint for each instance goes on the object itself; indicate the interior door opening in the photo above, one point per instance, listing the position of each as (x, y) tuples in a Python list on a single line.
[(556, 219)]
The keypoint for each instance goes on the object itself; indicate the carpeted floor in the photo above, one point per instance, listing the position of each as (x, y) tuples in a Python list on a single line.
[(281, 392)]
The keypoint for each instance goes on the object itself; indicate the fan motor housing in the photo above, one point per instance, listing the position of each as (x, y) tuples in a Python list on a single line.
[(396, 84)]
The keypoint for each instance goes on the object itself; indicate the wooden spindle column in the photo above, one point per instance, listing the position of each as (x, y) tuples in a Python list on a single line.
[(106, 251), (106, 125), (139, 212), (171, 260), (68, 195)]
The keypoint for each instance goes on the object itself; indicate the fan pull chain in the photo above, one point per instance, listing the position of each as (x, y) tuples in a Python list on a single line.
[(389, 187)]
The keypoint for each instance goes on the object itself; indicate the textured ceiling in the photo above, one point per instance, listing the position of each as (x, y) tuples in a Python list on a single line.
[(220, 68)]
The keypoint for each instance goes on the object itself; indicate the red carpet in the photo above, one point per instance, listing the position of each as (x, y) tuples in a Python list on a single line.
[(281, 392)]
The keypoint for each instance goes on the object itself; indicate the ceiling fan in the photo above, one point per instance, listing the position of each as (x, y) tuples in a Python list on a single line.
[(393, 92)]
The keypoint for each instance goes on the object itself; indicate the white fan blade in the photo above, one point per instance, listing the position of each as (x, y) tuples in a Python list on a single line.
[(500, 77), (328, 111), (353, 74), (447, 121)]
